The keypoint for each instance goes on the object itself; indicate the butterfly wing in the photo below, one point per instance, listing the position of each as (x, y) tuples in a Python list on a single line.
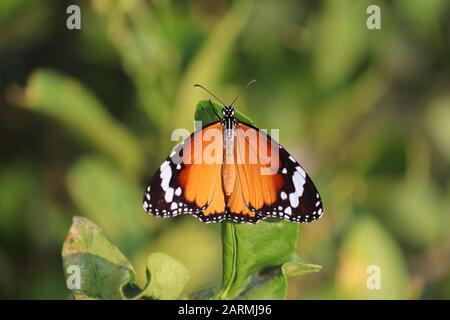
[(252, 190), (189, 181), (271, 183)]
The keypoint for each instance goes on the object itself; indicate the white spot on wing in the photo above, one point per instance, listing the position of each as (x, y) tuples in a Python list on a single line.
[(283, 195), (168, 196), (302, 172), (164, 165), (166, 175), (294, 197)]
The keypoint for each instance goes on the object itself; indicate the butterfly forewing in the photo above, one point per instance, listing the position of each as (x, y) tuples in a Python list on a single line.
[(189, 180), (287, 192)]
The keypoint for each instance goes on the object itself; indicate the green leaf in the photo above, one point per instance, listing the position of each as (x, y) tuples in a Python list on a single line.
[(271, 284), (66, 100), (104, 270), (105, 273), (292, 269), (104, 194), (248, 248), (166, 278)]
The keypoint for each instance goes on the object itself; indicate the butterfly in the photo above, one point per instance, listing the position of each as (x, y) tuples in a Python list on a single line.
[(231, 170)]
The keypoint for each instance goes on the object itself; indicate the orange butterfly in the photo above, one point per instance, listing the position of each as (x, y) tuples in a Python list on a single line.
[(232, 170)]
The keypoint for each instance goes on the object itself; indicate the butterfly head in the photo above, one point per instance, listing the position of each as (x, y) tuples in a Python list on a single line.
[(228, 112), (228, 120)]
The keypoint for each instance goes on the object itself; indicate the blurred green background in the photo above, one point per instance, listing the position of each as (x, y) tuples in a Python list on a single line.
[(86, 117)]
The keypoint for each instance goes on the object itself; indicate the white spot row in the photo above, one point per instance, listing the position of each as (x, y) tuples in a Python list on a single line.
[(294, 197), (166, 175)]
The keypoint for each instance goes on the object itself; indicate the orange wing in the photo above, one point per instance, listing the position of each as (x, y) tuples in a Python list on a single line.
[(257, 178), (190, 181), (270, 182)]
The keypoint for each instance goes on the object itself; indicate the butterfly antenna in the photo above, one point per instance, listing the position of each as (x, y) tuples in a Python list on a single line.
[(200, 86), (242, 90)]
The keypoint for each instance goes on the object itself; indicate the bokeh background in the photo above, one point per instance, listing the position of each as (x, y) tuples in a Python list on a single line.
[(86, 117)]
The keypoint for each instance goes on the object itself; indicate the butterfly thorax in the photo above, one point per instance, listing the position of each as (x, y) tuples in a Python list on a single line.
[(228, 121), (229, 124)]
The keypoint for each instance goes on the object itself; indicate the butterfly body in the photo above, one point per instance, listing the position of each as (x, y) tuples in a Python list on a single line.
[(229, 124), (231, 170)]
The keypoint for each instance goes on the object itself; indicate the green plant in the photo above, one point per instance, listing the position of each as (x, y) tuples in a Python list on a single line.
[(257, 259)]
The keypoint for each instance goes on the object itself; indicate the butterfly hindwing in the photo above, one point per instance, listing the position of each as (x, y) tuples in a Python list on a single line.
[(298, 199)]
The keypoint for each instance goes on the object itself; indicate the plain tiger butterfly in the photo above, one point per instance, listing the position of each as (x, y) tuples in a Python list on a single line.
[(229, 169)]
